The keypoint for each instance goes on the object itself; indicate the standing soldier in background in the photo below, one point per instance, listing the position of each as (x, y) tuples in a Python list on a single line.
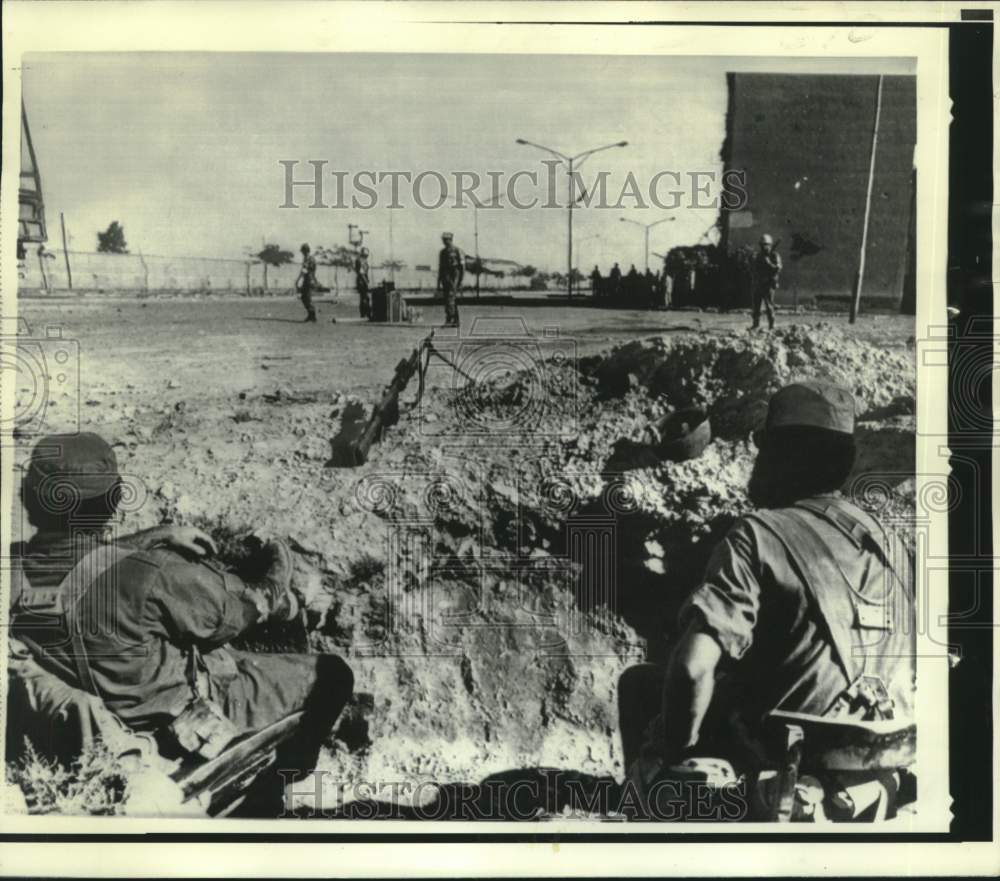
[(615, 282), (451, 271), (766, 269), (362, 283), (305, 284), (595, 282)]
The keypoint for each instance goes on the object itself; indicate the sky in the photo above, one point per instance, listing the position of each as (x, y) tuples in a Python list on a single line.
[(184, 149)]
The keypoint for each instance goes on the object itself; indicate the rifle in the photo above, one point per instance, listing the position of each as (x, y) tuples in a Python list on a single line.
[(386, 412), (220, 784)]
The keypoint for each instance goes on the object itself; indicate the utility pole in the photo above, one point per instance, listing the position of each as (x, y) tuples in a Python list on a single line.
[(569, 237), (570, 161), (859, 279), (392, 253), (69, 273)]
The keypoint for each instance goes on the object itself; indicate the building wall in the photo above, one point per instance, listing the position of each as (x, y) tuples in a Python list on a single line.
[(805, 142)]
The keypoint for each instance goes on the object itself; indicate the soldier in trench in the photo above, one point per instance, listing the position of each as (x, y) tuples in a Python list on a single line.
[(807, 605), (143, 621)]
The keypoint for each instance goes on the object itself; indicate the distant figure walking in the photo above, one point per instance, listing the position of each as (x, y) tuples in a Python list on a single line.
[(451, 271), (362, 283), (766, 270), (305, 284)]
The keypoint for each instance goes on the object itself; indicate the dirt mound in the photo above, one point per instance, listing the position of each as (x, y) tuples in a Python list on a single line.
[(490, 570)]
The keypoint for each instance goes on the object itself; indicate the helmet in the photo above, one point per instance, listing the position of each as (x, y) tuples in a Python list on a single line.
[(67, 468), (304, 249), (766, 239), (364, 252), (447, 236)]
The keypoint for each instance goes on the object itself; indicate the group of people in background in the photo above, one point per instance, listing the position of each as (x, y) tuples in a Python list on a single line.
[(632, 289), (451, 272), (675, 285), (636, 289)]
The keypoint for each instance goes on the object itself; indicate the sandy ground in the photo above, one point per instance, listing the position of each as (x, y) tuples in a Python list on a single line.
[(447, 567), (218, 348)]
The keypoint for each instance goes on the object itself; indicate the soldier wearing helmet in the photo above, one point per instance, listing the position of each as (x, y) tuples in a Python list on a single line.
[(362, 283), (142, 621), (806, 606), (451, 271), (306, 282), (766, 271)]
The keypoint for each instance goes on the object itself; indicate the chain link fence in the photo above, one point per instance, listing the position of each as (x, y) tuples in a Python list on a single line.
[(44, 271)]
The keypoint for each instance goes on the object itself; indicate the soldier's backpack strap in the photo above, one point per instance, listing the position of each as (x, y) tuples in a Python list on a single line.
[(813, 562), (74, 587), (852, 528)]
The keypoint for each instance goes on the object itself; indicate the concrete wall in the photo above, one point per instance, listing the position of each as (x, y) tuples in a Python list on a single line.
[(804, 142)]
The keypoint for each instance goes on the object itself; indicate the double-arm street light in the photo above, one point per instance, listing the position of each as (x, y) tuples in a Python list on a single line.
[(570, 162), (647, 227)]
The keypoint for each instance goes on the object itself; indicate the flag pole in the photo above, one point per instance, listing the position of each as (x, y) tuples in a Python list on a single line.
[(859, 279)]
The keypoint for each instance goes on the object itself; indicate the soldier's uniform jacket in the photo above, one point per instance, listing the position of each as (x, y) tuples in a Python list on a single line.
[(811, 602), (451, 265), (137, 618), (767, 269), (361, 273), (308, 280)]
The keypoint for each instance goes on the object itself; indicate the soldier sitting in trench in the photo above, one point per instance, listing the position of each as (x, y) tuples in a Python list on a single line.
[(142, 621), (806, 606)]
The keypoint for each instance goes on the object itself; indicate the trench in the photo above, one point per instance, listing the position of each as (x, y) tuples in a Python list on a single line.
[(490, 589)]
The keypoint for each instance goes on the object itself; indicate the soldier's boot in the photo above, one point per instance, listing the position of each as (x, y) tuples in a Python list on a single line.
[(285, 605)]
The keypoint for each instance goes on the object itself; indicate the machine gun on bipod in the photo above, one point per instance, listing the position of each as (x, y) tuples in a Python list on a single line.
[(352, 449)]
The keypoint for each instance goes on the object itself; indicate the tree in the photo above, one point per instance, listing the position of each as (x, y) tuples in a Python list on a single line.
[(338, 257), (112, 240), (273, 255), (526, 271)]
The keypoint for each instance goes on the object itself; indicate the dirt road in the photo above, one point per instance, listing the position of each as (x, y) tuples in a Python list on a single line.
[(224, 346)]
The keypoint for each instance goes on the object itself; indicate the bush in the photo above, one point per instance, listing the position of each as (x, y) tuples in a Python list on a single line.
[(95, 783)]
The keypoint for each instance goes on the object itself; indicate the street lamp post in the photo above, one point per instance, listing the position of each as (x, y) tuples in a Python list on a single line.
[(570, 161), (646, 228)]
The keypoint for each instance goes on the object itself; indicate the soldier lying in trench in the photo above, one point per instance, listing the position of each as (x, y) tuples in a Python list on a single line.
[(806, 607), (143, 621)]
